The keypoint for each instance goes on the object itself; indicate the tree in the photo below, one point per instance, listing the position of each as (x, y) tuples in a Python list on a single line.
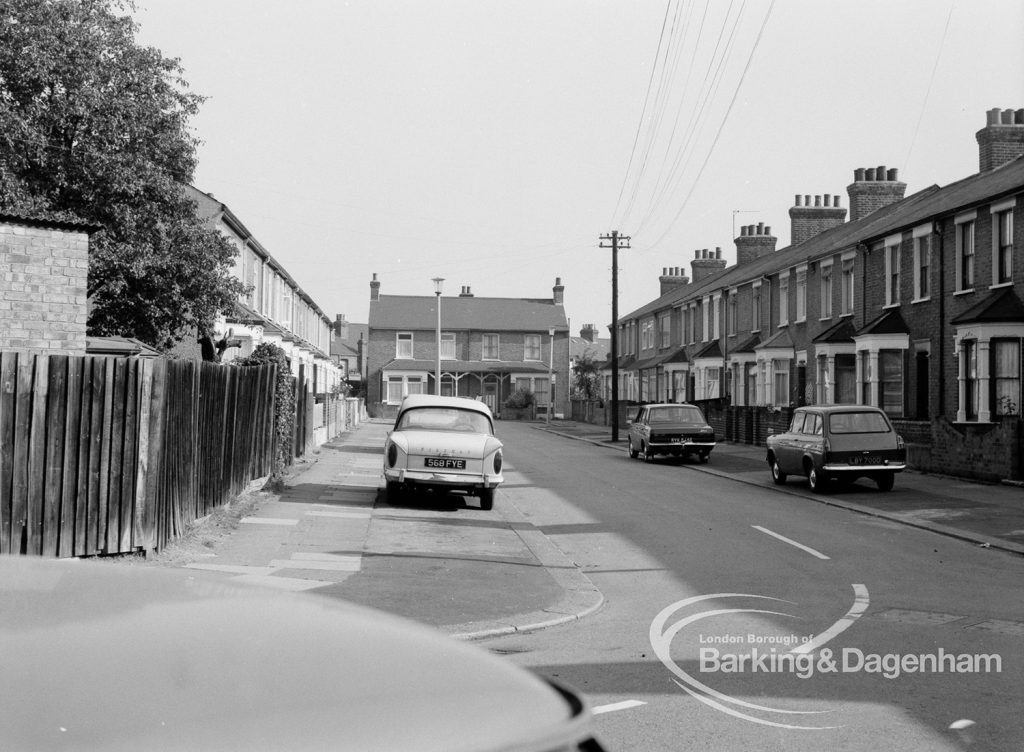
[(586, 377), (95, 127)]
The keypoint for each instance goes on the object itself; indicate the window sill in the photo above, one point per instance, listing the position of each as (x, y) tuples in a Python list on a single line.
[(915, 301), (889, 306), (825, 318), (968, 291), (1000, 285)]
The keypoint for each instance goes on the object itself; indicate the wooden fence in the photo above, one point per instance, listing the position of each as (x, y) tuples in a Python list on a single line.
[(114, 455)]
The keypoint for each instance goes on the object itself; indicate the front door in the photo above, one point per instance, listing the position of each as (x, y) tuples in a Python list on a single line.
[(491, 395)]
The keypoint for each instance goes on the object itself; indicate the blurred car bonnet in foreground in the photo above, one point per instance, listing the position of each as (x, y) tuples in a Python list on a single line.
[(101, 656)]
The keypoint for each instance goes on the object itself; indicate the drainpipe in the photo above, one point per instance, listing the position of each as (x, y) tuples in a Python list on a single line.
[(864, 283), (939, 227)]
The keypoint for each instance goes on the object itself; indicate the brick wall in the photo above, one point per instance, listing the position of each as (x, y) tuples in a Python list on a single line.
[(43, 274)]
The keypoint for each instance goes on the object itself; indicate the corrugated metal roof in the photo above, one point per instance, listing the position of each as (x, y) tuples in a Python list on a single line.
[(463, 313)]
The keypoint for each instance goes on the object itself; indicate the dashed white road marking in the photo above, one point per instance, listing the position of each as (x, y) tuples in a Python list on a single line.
[(615, 706), (791, 542)]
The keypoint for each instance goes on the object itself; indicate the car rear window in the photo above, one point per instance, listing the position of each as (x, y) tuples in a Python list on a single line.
[(681, 414), (858, 422), (444, 419)]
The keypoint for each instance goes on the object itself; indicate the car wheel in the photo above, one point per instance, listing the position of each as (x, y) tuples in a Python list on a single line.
[(632, 452), (703, 457), (393, 492), (647, 453), (778, 477), (885, 481), (816, 480)]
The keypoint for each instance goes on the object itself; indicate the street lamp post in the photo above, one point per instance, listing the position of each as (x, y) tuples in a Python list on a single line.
[(438, 289), (551, 377)]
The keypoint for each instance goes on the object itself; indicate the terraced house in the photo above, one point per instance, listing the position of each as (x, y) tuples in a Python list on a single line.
[(913, 304), (489, 348)]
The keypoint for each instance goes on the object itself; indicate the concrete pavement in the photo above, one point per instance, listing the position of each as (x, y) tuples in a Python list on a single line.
[(438, 559), (989, 514)]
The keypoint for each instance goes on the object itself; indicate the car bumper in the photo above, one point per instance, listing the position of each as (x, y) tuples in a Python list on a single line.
[(689, 446), (431, 478), (892, 467)]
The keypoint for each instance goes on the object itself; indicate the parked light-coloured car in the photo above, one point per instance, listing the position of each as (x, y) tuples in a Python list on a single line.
[(830, 443), (676, 429), (100, 656), (443, 444)]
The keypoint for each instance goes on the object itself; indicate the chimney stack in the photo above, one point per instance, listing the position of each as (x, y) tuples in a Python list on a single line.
[(705, 263), (754, 241), (558, 292), (374, 288), (589, 333), (1001, 140), (466, 292), (873, 188), (672, 278), (807, 220), (341, 326)]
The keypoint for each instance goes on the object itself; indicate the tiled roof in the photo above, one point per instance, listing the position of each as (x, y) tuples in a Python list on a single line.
[(1001, 306), (841, 332), (890, 322), (749, 345), (778, 340), (932, 202), (711, 350), (464, 313)]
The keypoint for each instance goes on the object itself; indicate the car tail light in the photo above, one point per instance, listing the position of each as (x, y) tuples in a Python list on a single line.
[(497, 461), (392, 455)]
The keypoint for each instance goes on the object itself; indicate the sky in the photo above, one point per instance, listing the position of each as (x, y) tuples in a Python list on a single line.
[(493, 143)]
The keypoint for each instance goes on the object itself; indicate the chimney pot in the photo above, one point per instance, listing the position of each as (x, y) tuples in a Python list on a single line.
[(835, 201), (718, 252), (880, 173), (892, 175), (1007, 117), (828, 200), (817, 200), (797, 200), (768, 231), (869, 174), (1019, 118), (760, 228), (993, 116), (807, 200), (858, 175), (696, 253), (743, 231)]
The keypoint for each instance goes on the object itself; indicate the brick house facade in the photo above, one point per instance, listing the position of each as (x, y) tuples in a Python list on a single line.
[(913, 305), (489, 348), (43, 304)]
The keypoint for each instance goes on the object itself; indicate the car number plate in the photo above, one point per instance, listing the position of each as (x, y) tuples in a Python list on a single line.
[(676, 440), (444, 463), (866, 461)]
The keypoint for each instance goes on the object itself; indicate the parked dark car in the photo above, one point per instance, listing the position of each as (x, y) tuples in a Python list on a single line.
[(830, 443), (677, 429)]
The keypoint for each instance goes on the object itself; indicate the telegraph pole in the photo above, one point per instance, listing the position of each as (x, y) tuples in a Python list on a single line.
[(617, 241)]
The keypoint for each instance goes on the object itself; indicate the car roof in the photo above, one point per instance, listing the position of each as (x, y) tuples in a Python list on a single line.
[(432, 400), (843, 408), (670, 404)]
